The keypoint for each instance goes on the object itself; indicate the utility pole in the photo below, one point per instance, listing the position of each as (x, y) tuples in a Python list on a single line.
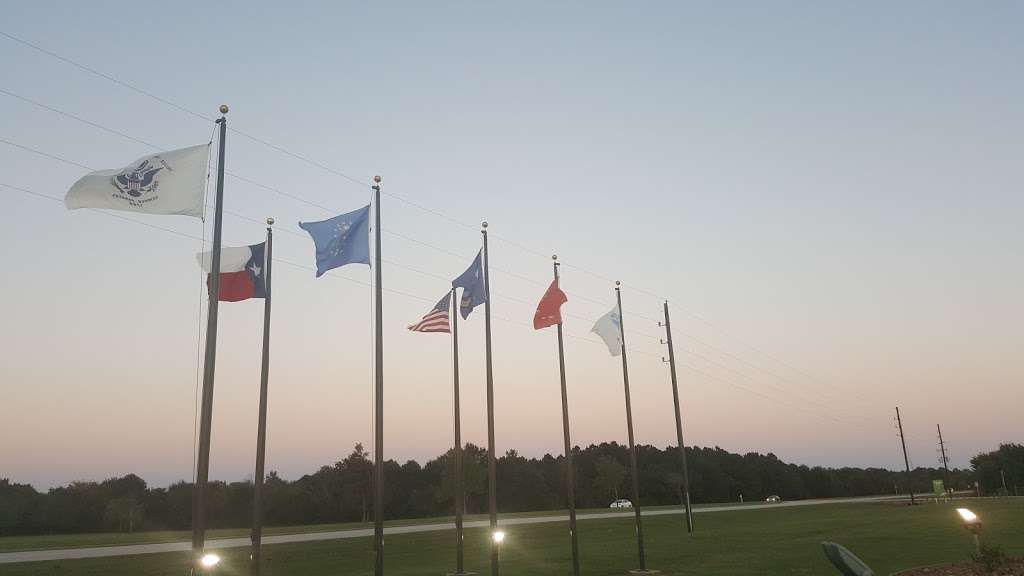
[(906, 460), (679, 419), (945, 459)]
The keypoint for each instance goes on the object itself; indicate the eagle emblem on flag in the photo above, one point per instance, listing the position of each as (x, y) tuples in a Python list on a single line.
[(138, 180)]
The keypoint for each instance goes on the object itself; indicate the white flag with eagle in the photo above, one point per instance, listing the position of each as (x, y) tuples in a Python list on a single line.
[(171, 182)]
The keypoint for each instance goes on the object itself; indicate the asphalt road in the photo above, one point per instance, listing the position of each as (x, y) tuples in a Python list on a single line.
[(134, 549)]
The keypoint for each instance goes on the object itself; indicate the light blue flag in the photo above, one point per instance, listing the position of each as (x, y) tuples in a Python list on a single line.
[(472, 283), (609, 328), (341, 240)]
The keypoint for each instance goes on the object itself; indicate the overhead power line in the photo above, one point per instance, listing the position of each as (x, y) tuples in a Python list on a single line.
[(419, 298), (325, 208), (427, 209)]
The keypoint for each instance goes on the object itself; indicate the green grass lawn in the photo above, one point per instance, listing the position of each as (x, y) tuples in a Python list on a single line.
[(889, 537), (50, 542)]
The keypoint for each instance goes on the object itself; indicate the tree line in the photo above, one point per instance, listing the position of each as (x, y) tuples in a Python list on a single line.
[(342, 492)]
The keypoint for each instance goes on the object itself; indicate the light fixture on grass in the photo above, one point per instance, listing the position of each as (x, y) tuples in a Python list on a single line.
[(209, 560), (973, 525)]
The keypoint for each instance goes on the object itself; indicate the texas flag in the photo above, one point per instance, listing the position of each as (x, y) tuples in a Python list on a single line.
[(241, 272)]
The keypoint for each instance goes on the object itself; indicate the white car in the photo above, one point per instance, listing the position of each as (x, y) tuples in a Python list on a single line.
[(621, 503)]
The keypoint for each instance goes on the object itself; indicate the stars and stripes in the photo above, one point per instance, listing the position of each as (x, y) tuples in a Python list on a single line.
[(437, 319)]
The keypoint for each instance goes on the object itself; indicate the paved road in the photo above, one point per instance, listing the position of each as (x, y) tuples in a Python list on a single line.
[(134, 549)]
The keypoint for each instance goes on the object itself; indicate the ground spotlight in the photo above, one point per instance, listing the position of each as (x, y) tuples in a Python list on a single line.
[(973, 525), (209, 560), (498, 536), (967, 516)]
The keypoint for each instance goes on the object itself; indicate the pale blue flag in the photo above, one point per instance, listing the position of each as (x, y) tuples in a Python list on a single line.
[(341, 240)]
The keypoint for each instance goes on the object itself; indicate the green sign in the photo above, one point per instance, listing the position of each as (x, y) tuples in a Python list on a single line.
[(938, 487)]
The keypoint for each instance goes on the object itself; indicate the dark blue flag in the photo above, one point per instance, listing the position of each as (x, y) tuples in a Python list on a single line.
[(341, 240), (472, 283)]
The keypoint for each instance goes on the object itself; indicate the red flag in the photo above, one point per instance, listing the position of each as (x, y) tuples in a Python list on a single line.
[(549, 310)]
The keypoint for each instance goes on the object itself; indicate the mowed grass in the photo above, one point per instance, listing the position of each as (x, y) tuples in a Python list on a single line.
[(55, 541), (889, 537)]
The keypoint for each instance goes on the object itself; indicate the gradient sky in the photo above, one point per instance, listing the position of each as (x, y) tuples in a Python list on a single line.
[(828, 194)]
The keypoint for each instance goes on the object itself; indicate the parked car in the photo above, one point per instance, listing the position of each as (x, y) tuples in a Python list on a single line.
[(773, 498), (621, 503)]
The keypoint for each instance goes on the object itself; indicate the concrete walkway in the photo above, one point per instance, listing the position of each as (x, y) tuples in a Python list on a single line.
[(134, 549)]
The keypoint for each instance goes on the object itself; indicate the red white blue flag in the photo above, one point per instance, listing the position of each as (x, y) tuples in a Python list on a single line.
[(242, 272), (437, 319)]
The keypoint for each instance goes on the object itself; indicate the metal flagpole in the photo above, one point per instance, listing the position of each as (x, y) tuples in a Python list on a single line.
[(261, 433), (206, 410), (906, 460), (460, 498), (569, 480), (492, 483), (632, 444), (679, 420), (378, 445)]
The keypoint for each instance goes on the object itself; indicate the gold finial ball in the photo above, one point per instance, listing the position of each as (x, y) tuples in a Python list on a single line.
[(484, 223), (270, 221), (223, 108), (377, 179), (617, 283)]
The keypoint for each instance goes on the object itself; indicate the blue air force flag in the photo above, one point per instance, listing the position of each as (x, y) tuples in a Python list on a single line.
[(609, 328), (472, 283), (341, 240), (171, 182)]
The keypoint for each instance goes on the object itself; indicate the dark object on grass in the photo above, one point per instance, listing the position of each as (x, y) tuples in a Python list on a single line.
[(845, 561)]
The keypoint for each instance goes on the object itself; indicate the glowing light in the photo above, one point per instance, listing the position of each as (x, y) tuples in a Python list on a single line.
[(499, 537), (967, 516), (209, 560)]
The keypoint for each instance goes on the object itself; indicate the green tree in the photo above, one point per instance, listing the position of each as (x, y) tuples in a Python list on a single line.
[(1005, 464), (609, 475)]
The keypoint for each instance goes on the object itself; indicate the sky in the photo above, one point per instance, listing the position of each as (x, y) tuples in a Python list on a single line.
[(827, 194)]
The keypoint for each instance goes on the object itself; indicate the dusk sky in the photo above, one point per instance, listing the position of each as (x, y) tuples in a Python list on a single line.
[(828, 195)]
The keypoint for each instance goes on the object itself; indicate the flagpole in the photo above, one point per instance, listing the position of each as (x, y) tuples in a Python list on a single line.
[(460, 501), (679, 421), (209, 363), (632, 444), (261, 433), (378, 457), (492, 483), (569, 480)]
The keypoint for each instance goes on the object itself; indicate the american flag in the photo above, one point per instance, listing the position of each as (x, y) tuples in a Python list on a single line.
[(436, 320)]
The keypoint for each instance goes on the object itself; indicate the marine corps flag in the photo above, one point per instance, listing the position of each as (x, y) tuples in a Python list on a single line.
[(171, 182), (549, 310), (549, 313)]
